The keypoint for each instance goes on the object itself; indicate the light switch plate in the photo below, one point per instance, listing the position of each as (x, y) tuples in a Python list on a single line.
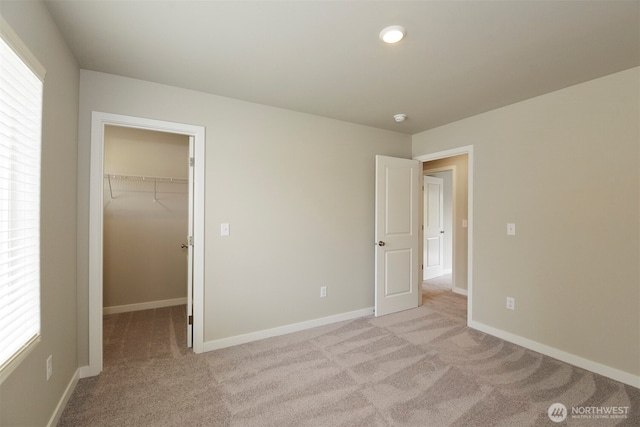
[(511, 229), (224, 229), (465, 223)]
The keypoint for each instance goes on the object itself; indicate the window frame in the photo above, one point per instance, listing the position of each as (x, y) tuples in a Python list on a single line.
[(10, 37)]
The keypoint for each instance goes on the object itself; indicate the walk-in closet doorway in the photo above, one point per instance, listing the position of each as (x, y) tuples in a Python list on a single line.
[(146, 196), (104, 192)]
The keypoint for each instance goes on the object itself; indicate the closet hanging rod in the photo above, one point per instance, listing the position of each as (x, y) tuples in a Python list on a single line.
[(142, 180), (146, 178)]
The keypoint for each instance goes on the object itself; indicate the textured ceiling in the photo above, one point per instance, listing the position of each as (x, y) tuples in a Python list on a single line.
[(324, 57)]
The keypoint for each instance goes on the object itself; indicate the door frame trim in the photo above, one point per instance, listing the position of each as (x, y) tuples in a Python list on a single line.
[(96, 213), (467, 149)]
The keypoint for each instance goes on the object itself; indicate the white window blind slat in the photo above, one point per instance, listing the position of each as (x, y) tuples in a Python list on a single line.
[(15, 309), (20, 145), (20, 267)]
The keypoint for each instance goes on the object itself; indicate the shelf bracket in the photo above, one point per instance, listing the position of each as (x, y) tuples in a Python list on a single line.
[(110, 188)]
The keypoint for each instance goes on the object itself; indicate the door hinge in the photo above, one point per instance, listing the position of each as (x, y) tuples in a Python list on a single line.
[(191, 320), (190, 240), (191, 161), (422, 267)]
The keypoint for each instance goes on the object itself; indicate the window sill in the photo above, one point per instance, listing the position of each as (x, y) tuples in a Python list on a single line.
[(16, 360)]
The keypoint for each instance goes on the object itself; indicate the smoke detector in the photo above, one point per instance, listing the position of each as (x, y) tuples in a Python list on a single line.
[(399, 118)]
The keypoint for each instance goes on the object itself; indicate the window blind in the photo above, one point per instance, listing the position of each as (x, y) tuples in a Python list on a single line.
[(20, 142)]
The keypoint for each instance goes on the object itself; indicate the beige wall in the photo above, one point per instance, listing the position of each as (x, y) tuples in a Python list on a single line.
[(564, 168), (297, 190), (26, 398), (143, 261), (459, 166)]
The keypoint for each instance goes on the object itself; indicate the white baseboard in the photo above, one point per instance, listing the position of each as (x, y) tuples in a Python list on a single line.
[(87, 371), (460, 291), (55, 417), (572, 359), (144, 305), (283, 330)]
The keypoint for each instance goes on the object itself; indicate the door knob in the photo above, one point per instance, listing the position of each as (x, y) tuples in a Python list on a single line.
[(184, 246), (380, 243), (441, 231)]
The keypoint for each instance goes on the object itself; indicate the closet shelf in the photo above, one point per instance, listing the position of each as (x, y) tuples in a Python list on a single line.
[(144, 184)]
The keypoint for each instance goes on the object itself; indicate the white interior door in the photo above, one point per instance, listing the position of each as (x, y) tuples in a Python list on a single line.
[(397, 221), (190, 246), (433, 227)]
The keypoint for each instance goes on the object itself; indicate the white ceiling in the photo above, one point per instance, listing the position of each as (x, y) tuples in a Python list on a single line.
[(325, 58)]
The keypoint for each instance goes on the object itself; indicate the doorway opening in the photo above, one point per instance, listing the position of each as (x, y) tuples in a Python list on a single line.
[(195, 270), (447, 240), (145, 256)]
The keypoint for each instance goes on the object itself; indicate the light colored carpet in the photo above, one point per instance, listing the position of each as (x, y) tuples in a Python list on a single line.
[(444, 281), (421, 367)]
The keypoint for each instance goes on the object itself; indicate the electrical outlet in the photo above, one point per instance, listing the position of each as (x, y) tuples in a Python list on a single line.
[(323, 291), (511, 303), (511, 229), (49, 366), (465, 223)]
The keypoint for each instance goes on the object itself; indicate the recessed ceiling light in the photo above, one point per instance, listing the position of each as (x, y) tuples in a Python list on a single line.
[(392, 34)]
